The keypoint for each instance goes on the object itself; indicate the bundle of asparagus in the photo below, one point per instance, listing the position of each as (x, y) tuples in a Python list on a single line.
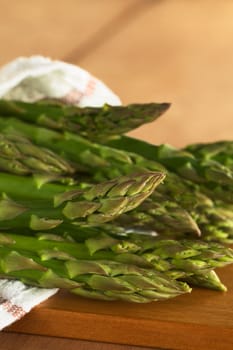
[(103, 237), (213, 214), (104, 163)]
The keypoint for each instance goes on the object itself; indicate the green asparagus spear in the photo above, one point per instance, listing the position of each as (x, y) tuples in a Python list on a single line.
[(178, 259), (214, 179), (91, 122), (100, 203), (193, 262), (179, 161), (160, 215), (94, 279)]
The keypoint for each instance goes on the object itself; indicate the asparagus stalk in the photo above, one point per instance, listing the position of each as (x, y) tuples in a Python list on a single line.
[(97, 204), (178, 259), (94, 279), (179, 161), (91, 122), (214, 179), (193, 262), (160, 215)]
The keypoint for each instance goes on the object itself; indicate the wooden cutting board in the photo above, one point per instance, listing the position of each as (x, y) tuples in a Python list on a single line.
[(201, 320)]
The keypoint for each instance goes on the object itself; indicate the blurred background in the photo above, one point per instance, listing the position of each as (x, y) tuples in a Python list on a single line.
[(145, 50)]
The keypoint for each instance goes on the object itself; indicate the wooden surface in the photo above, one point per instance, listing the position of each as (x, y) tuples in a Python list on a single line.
[(200, 320), (145, 50), (37, 342)]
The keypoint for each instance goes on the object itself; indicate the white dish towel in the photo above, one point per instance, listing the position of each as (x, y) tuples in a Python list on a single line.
[(29, 79)]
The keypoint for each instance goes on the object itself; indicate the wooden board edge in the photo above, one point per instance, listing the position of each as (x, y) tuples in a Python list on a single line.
[(123, 330)]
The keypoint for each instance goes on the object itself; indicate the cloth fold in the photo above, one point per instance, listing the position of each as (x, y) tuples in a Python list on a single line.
[(29, 79)]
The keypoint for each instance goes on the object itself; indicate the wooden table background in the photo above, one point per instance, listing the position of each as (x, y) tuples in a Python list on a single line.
[(145, 50)]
